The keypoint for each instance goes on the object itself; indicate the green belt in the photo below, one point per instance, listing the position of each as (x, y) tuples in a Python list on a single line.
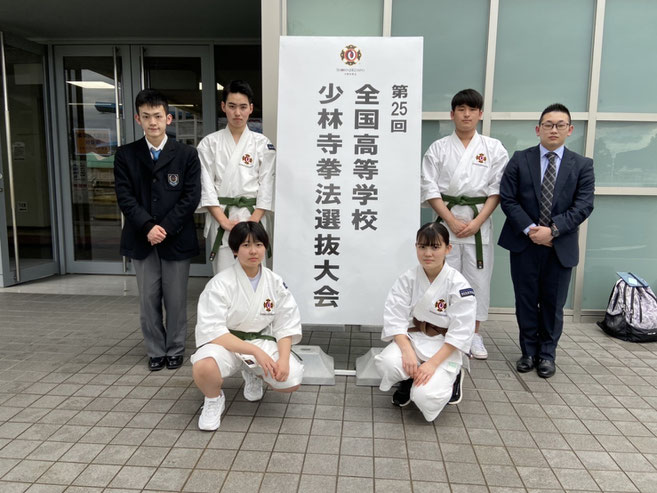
[(451, 201), (227, 203), (250, 336)]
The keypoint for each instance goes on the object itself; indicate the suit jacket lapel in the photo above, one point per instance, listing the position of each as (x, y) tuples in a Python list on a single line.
[(535, 171), (143, 154), (565, 169)]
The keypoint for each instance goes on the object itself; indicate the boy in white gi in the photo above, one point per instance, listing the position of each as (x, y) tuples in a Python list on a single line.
[(237, 173), (247, 320), (461, 176), (429, 317)]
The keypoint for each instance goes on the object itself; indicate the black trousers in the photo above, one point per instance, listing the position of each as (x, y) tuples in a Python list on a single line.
[(540, 284)]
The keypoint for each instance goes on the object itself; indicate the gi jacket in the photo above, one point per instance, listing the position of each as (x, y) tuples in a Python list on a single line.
[(448, 302), (228, 302), (165, 193)]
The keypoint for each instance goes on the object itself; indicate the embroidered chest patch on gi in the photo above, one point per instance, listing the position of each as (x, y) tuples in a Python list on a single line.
[(268, 305), (466, 292), (174, 179), (481, 158), (441, 305), (247, 160)]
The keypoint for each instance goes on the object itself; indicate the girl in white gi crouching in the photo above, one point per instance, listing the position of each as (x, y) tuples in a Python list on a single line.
[(429, 316), (247, 320)]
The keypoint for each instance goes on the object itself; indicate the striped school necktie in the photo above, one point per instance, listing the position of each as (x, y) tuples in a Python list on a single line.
[(547, 190)]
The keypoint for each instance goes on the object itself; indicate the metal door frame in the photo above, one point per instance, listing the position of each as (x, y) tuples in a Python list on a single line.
[(70, 264), (206, 55), (131, 79), (48, 267)]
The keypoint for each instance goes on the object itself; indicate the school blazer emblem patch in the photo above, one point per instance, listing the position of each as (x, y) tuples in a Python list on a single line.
[(441, 305), (174, 179)]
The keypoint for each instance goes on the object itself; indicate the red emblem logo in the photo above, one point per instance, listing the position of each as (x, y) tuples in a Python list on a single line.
[(351, 55), (441, 305), (481, 158), (268, 305), (247, 159)]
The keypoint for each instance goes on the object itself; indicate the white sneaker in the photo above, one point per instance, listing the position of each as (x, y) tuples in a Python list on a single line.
[(478, 349), (210, 417), (254, 386)]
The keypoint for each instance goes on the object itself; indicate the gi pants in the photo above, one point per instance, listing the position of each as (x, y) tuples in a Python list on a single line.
[(463, 258), (229, 363), (431, 397)]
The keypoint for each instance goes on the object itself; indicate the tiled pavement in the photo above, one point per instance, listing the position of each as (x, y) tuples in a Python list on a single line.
[(79, 412)]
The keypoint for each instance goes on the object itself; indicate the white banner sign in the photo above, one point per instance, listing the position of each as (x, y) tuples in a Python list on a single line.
[(347, 173)]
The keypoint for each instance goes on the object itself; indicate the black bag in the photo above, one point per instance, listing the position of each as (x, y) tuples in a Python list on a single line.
[(632, 310)]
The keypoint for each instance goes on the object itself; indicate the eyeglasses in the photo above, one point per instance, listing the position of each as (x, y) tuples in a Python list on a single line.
[(550, 125)]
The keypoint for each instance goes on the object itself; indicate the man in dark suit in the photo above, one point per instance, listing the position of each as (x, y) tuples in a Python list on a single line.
[(158, 187), (546, 193)]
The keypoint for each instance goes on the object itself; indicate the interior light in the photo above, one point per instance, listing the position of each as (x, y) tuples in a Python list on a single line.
[(219, 86), (90, 84)]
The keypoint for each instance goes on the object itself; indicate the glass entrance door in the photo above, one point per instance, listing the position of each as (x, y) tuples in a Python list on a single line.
[(185, 76), (27, 222), (91, 127), (96, 87)]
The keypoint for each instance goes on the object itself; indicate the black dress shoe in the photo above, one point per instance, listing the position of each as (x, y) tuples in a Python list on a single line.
[(174, 362), (402, 396), (525, 364), (155, 364), (546, 368)]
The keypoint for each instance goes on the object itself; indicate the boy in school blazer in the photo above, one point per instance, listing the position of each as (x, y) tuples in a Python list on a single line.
[(158, 187)]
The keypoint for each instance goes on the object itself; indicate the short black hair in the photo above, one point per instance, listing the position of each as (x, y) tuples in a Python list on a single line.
[(469, 97), (555, 107), (237, 86), (433, 233), (242, 231), (152, 98)]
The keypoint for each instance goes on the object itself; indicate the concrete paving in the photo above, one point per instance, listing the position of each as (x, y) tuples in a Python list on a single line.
[(80, 412)]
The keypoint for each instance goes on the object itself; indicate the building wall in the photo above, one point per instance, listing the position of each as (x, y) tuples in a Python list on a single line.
[(596, 57)]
